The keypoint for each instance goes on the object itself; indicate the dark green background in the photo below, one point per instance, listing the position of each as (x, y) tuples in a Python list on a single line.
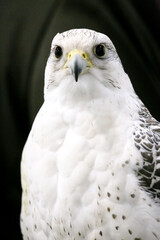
[(26, 31)]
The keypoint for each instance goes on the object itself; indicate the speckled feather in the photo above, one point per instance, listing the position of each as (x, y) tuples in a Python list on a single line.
[(90, 166), (147, 138)]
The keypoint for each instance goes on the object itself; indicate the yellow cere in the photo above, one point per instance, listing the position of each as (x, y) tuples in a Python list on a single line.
[(83, 54)]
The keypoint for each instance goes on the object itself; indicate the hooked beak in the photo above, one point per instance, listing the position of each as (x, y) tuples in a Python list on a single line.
[(78, 63)]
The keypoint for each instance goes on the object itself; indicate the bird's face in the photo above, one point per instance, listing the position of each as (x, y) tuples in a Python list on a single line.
[(83, 60)]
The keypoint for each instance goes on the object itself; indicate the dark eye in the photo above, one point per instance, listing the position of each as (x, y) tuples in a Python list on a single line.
[(100, 50), (58, 52)]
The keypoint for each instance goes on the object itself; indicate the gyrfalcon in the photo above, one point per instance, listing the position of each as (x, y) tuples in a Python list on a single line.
[(91, 165)]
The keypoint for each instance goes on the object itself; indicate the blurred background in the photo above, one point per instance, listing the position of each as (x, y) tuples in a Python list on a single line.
[(26, 30)]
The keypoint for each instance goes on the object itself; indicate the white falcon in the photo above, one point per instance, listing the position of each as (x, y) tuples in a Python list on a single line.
[(91, 165)]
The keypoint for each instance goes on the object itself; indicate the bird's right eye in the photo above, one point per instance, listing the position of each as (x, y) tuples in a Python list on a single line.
[(58, 52)]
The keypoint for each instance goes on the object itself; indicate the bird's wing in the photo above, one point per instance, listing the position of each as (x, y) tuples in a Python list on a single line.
[(147, 140)]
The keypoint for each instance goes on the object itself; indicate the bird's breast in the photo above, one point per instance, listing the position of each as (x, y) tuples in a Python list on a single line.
[(74, 148), (75, 160)]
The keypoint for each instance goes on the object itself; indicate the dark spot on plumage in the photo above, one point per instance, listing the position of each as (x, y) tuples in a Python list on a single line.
[(132, 195), (150, 134), (142, 120), (150, 205), (100, 233), (157, 147), (108, 194), (70, 225), (112, 173), (64, 229), (130, 232), (123, 165), (143, 136), (99, 188), (79, 233), (157, 130), (138, 140), (27, 228), (118, 188), (114, 216), (35, 226), (99, 194), (137, 146), (108, 209), (68, 233), (116, 227), (158, 219), (118, 198), (123, 217), (158, 154), (137, 238)]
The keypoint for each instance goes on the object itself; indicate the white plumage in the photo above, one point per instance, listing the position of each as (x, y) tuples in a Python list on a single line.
[(90, 166)]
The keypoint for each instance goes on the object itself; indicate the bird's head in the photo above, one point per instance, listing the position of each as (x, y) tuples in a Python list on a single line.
[(84, 62)]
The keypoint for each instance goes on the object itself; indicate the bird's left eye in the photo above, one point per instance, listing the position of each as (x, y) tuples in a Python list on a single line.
[(58, 52), (100, 50)]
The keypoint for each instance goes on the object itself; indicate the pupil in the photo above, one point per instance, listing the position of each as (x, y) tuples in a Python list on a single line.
[(100, 51), (58, 52)]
